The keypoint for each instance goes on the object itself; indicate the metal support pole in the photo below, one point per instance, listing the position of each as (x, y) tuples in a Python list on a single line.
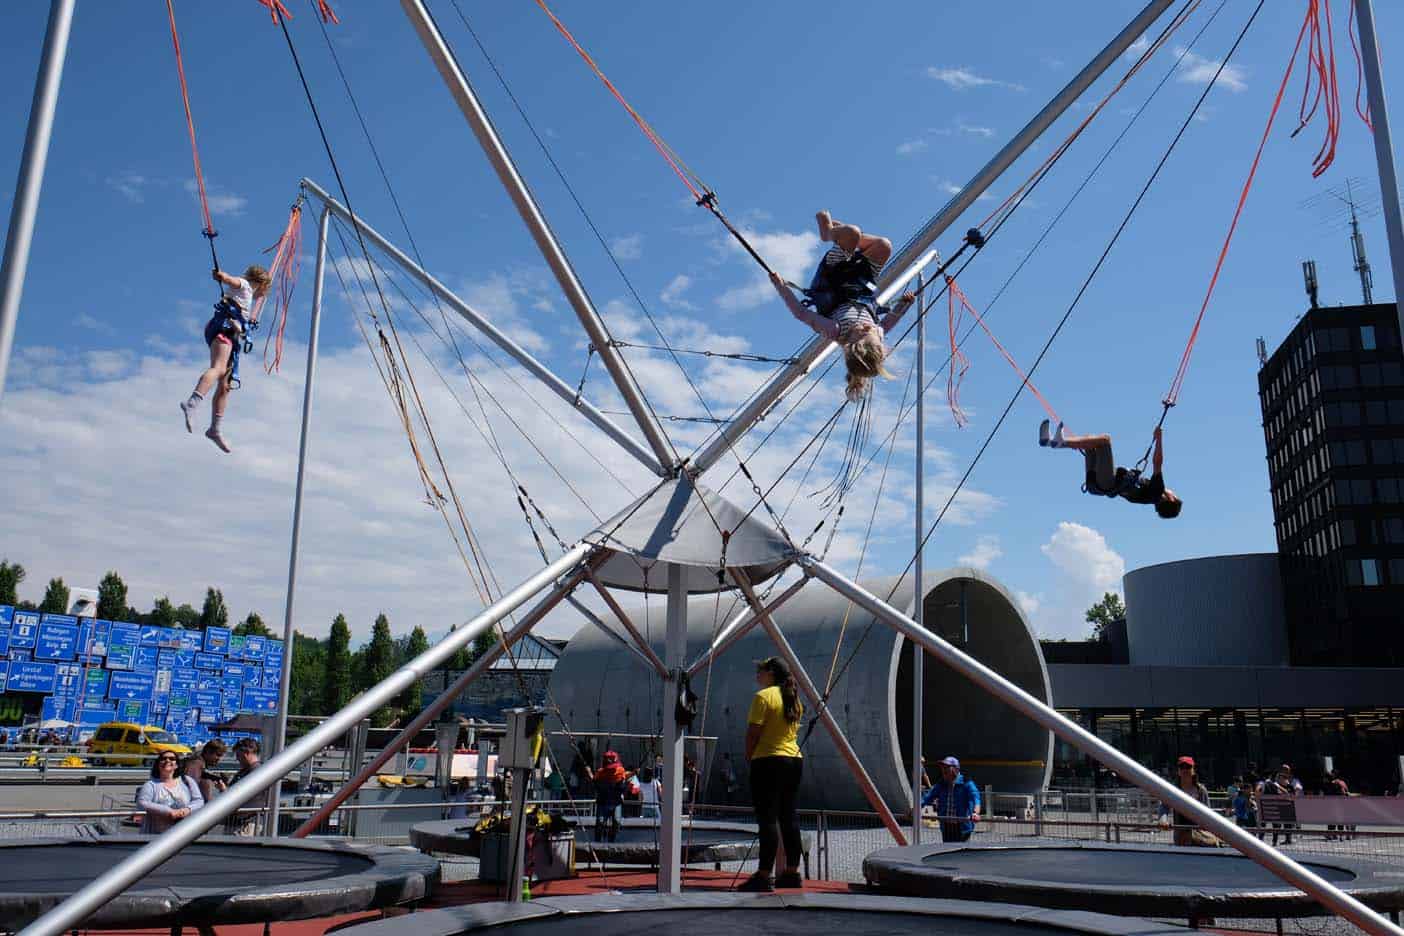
[(280, 731), (452, 691), (462, 91), (31, 176), (639, 640), (519, 354), (1125, 767), (70, 914), (609, 632), (918, 598), (815, 699), (740, 627), (674, 651), (516, 861), (1384, 150), (906, 261)]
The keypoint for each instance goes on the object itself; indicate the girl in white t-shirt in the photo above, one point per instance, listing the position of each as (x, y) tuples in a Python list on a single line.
[(649, 790), (224, 333)]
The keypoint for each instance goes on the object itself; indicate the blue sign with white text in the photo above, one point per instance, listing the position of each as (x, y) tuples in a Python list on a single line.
[(96, 714), (59, 707), (125, 687), (4, 675), (27, 676), (96, 685), (68, 678), (133, 711), (7, 614), (58, 639), (217, 640), (209, 661), (183, 678), (24, 629), (237, 643), (122, 645), (192, 640), (146, 659), (255, 647), (4, 640), (260, 700)]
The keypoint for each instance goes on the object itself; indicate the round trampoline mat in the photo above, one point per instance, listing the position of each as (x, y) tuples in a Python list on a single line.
[(217, 880), (1145, 880), (761, 915)]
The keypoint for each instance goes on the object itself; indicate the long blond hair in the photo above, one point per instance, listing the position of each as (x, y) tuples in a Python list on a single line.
[(258, 278), (864, 358)]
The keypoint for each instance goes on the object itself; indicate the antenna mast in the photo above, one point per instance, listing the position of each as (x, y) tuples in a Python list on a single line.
[(1357, 249)]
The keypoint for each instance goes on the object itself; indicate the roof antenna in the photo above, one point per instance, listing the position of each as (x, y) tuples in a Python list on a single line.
[(1262, 353), (1357, 249), (1339, 208), (1309, 275)]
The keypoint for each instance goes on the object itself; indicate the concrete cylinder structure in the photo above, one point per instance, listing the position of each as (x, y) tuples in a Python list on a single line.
[(1214, 611), (599, 687)]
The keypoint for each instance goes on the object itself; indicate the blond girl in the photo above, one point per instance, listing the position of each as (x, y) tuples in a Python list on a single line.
[(225, 333)]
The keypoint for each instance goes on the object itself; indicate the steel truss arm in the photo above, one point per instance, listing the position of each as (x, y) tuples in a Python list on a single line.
[(739, 627), (609, 632), (1093, 746), (639, 641), (538, 370), (480, 666), (811, 693), (462, 91), (909, 260), (70, 914)]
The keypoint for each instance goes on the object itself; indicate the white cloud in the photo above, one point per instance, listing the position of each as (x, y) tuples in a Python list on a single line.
[(911, 147), (950, 188), (1028, 603), (985, 551), (222, 202), (963, 79), (1196, 69), (1138, 48), (672, 294), (132, 185), (791, 254), (1088, 567), (627, 248), (975, 130)]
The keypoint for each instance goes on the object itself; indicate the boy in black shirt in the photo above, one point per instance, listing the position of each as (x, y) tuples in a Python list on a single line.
[(1104, 479)]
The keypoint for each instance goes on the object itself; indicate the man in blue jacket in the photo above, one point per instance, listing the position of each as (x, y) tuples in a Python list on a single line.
[(957, 802)]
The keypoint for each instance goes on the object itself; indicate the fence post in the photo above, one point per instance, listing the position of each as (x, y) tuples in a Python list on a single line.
[(1096, 815), (1038, 813), (989, 809)]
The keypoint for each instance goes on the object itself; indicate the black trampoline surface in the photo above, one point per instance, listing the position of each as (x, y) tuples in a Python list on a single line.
[(636, 842), (744, 914), (219, 879), (1149, 880)]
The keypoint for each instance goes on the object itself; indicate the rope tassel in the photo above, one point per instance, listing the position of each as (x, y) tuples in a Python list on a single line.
[(284, 270)]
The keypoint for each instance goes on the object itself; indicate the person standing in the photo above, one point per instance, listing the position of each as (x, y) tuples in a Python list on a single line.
[(246, 752), (1187, 831), (168, 796), (649, 790), (772, 750), (201, 769), (611, 782), (957, 802), (1281, 783)]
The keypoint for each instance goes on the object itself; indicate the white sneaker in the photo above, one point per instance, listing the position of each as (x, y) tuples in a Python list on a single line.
[(213, 435), (1043, 437), (187, 411)]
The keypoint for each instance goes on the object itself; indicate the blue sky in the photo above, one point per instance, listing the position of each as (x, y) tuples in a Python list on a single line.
[(782, 113)]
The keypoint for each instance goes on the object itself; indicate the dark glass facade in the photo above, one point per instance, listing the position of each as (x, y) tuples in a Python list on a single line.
[(1333, 419)]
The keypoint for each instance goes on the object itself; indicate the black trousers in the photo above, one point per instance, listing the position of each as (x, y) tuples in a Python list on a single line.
[(774, 783)]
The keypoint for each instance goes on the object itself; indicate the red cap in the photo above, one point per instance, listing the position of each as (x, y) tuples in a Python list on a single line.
[(1186, 761)]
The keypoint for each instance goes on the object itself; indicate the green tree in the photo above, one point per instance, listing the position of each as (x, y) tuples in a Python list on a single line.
[(309, 668), (253, 624), (378, 662), (484, 642), (11, 575), (215, 612), (112, 597), (462, 658), (411, 701), (55, 598), (336, 679), (163, 613), (1103, 613), (187, 617)]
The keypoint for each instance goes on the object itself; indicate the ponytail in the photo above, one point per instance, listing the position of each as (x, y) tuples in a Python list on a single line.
[(789, 690)]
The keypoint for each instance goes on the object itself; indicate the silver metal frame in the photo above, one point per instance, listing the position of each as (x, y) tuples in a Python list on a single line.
[(1124, 766), (70, 914), (815, 699), (31, 176), (280, 731), (612, 634), (1384, 149), (462, 90), (740, 627), (914, 256), (658, 665), (452, 691), (538, 370), (674, 759), (919, 598)]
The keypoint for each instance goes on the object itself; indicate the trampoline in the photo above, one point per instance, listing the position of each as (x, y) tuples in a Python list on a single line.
[(216, 880), (759, 914), (1141, 880), (636, 844)]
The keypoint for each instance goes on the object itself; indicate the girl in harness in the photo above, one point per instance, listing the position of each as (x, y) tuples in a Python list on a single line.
[(1104, 479), (841, 302), (225, 334)]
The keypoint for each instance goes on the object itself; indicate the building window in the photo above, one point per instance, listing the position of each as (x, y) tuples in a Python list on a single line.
[(1370, 572), (1360, 491), (1382, 451), (1391, 490), (1393, 528), (1376, 413), (1367, 337), (1396, 412), (1396, 571), (1391, 374)]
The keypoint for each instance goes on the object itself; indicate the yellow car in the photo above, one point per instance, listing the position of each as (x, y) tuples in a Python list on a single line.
[(131, 744)]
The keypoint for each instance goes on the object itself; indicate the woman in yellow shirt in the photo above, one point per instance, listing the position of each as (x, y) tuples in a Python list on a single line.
[(773, 751)]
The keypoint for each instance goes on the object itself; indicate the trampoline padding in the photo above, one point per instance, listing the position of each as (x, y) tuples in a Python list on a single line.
[(1147, 880), (762, 915), (217, 880)]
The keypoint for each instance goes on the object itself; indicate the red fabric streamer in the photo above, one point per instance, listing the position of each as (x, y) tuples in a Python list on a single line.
[(284, 270), (1321, 76), (276, 9), (959, 363), (1173, 396), (955, 292), (190, 123)]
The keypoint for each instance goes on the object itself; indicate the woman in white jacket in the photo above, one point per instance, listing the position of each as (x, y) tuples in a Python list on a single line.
[(168, 797)]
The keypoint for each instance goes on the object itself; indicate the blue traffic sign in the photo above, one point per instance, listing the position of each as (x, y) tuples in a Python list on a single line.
[(4, 640), (122, 645), (133, 711), (183, 678), (209, 661), (125, 687), (96, 714), (28, 676), (58, 639), (260, 700), (96, 684), (7, 614), (146, 659), (255, 647), (24, 629), (217, 640)]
